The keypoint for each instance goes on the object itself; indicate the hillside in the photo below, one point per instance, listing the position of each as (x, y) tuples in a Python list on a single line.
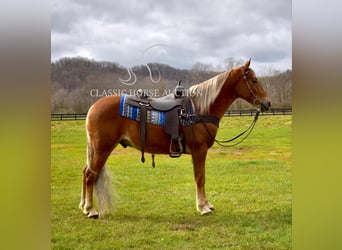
[(78, 82)]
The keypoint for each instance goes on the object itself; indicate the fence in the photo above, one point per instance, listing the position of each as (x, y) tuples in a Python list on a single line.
[(65, 117), (60, 117), (252, 112)]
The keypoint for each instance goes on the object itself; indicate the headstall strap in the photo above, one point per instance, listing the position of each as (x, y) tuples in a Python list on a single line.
[(255, 99)]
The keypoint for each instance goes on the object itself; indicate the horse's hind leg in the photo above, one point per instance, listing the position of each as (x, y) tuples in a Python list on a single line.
[(84, 185), (96, 161), (89, 179)]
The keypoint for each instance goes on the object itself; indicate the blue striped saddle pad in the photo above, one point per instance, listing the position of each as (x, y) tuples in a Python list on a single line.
[(133, 113)]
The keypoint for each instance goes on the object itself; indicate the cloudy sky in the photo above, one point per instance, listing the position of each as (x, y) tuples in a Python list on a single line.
[(178, 33)]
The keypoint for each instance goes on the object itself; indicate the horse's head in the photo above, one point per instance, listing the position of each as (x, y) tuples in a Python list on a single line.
[(249, 88)]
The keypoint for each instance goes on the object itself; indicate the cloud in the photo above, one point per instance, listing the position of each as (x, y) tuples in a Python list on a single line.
[(186, 31)]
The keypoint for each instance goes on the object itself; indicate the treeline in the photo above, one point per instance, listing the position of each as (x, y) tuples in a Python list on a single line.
[(78, 82)]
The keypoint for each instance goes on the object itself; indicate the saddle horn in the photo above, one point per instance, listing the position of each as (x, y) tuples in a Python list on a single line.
[(179, 90), (180, 80)]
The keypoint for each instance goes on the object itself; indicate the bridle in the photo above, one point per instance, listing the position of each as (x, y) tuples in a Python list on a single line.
[(256, 101)]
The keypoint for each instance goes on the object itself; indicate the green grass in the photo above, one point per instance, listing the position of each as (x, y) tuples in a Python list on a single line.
[(249, 185)]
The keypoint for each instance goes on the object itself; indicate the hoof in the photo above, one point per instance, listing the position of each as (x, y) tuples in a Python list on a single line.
[(205, 210), (210, 206), (93, 214)]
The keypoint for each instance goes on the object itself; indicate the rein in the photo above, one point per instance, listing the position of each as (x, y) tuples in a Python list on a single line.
[(223, 143)]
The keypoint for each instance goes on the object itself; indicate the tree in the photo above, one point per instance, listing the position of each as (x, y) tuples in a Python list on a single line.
[(231, 62), (278, 85), (198, 66), (73, 79)]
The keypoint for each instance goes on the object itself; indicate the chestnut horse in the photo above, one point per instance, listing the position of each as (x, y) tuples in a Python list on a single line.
[(106, 129)]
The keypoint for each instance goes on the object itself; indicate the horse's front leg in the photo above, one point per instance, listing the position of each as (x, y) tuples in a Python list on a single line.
[(198, 158)]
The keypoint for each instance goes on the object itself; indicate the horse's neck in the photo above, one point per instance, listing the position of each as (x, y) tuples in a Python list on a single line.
[(223, 101)]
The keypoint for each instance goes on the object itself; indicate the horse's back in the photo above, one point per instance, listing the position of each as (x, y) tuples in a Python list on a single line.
[(104, 108)]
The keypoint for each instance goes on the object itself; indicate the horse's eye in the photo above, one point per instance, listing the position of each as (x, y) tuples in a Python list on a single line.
[(255, 80)]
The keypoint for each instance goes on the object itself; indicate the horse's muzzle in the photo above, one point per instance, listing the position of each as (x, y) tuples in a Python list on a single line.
[(265, 105)]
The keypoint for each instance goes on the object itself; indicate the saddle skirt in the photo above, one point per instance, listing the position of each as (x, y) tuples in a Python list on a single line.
[(134, 113), (132, 110)]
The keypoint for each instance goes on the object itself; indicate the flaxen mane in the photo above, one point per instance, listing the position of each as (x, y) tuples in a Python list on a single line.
[(205, 93)]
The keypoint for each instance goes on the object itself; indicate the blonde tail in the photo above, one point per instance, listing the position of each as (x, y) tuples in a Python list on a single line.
[(103, 192)]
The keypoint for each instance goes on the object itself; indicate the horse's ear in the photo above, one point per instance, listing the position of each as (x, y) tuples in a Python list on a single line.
[(248, 62)]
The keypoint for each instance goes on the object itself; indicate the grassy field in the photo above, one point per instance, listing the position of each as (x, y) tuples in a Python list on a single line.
[(249, 185)]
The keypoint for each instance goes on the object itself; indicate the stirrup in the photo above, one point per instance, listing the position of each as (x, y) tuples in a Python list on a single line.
[(178, 153)]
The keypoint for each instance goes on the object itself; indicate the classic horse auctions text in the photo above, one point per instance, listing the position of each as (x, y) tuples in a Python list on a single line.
[(147, 92)]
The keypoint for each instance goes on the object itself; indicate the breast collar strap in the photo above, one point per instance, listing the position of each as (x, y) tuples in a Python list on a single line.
[(208, 119)]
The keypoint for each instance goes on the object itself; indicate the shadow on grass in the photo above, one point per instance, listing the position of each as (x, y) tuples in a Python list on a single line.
[(253, 221)]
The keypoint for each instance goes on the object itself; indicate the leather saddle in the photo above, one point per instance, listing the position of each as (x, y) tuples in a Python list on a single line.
[(162, 104), (178, 111)]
